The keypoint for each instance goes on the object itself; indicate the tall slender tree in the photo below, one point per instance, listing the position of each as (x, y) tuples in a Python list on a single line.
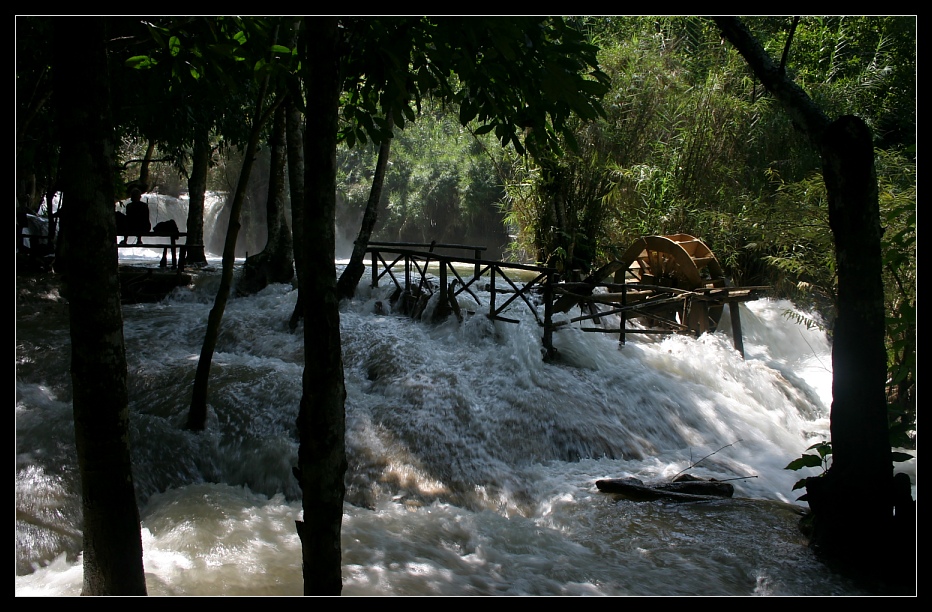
[(849, 526), (294, 138), (112, 542), (275, 263), (197, 190), (197, 415), (354, 270), (321, 419), (264, 36), (523, 78)]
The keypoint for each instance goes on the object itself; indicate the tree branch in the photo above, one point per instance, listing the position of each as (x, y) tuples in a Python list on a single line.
[(800, 107)]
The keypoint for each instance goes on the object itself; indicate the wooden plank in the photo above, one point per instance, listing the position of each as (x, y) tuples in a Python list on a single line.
[(737, 338), (617, 330)]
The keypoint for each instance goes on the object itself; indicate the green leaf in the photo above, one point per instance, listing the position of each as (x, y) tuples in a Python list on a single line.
[(467, 111), (824, 448), (408, 112), (174, 46), (804, 462), (593, 87), (140, 62)]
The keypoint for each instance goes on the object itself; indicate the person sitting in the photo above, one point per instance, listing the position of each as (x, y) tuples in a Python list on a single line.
[(137, 216)]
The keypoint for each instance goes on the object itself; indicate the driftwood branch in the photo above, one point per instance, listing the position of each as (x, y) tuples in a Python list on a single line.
[(800, 107), (691, 466), (786, 47)]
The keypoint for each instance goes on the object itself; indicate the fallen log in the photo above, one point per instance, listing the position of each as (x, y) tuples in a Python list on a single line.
[(690, 490)]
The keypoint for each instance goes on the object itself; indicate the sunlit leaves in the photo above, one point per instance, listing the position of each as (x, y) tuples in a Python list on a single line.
[(808, 460), (805, 461), (506, 75), (141, 62)]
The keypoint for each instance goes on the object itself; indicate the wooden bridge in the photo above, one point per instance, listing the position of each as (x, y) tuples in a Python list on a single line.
[(166, 242), (668, 284)]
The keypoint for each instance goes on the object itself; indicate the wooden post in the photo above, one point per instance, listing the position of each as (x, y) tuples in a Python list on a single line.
[(492, 292), (549, 351), (407, 275), (375, 274), (475, 273), (624, 314), (443, 274), (443, 306), (736, 327)]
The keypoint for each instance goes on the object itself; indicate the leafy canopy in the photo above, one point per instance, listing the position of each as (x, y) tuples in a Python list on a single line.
[(522, 77)]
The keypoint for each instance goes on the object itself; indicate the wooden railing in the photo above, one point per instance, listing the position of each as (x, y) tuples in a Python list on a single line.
[(416, 263), (168, 242), (669, 310)]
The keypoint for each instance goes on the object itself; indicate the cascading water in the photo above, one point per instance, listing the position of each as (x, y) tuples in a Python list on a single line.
[(216, 218), (472, 462)]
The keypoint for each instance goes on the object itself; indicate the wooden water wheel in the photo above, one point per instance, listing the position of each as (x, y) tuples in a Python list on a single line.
[(679, 261)]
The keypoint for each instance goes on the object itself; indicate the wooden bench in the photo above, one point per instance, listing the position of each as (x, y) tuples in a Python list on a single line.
[(165, 246)]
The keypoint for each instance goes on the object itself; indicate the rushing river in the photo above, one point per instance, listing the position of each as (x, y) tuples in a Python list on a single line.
[(472, 462)]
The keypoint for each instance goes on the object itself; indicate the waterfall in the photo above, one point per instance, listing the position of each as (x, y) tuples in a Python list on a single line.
[(472, 462)]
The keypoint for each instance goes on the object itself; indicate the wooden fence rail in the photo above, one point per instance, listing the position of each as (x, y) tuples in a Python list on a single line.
[(666, 310), (417, 261)]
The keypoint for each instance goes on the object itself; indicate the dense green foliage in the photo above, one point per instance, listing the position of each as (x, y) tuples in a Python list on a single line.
[(443, 184), (691, 143)]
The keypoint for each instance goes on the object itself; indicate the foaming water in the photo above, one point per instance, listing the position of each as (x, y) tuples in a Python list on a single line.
[(472, 461)]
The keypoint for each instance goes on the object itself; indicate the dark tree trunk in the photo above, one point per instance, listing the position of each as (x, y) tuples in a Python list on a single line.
[(197, 415), (294, 137), (197, 189), (848, 525), (144, 168), (321, 419), (112, 542), (275, 264), (349, 280)]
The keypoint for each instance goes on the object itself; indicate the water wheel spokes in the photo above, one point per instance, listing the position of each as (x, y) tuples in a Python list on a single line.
[(678, 261)]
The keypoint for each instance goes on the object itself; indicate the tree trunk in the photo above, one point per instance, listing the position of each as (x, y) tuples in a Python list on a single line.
[(294, 137), (144, 167), (112, 542), (197, 415), (275, 264), (321, 418), (349, 280), (847, 523), (848, 526), (197, 188)]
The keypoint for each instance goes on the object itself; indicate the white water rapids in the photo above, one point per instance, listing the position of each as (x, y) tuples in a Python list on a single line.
[(472, 462)]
